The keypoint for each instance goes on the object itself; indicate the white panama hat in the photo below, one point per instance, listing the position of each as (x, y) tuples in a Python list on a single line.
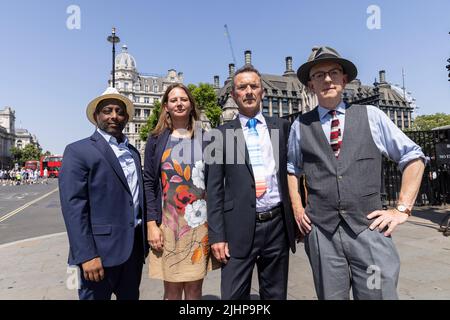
[(110, 93)]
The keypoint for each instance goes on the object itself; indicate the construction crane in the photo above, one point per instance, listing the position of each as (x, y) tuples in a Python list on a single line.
[(227, 34)]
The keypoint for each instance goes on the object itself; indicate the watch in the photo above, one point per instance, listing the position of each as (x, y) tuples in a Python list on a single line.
[(403, 209)]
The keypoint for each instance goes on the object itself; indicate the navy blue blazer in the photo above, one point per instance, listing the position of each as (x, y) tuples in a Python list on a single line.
[(231, 200), (154, 149), (97, 203)]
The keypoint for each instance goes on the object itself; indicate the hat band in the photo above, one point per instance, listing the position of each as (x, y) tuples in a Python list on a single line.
[(326, 56)]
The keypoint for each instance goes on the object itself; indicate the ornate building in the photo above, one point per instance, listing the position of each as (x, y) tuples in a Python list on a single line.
[(141, 88), (394, 101), (12, 137), (7, 136), (285, 96), (24, 138)]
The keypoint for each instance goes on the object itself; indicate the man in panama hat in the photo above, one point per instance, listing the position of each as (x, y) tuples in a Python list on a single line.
[(102, 201), (347, 234)]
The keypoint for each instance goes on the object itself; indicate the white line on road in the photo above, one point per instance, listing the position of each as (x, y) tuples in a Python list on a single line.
[(32, 239), (12, 213)]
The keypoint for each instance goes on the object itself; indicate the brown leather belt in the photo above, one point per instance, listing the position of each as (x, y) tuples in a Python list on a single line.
[(268, 215)]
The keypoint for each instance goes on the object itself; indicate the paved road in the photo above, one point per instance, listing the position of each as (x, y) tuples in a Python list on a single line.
[(37, 268), (39, 218)]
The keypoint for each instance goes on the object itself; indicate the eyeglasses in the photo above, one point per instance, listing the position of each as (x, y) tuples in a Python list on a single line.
[(333, 73)]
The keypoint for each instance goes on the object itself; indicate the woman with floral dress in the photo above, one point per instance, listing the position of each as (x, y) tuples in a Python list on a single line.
[(174, 185)]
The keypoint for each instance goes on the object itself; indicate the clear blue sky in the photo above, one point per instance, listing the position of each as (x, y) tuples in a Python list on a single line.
[(50, 73)]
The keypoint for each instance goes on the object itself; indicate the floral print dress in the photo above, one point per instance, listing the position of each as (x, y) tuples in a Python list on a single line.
[(186, 253)]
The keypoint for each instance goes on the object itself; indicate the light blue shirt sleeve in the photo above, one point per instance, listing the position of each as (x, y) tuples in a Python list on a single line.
[(390, 140), (294, 157)]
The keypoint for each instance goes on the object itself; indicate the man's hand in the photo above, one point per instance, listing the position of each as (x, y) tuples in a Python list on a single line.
[(390, 218), (93, 270), (303, 222), (220, 251), (155, 236)]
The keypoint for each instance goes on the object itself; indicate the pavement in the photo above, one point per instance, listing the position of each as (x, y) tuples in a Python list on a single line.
[(36, 269)]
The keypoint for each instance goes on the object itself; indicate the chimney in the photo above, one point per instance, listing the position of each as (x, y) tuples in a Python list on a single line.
[(288, 64), (289, 71), (216, 82), (248, 57), (231, 70), (382, 76)]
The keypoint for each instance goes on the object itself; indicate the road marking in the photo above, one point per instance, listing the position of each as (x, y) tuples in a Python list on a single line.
[(12, 213), (32, 239)]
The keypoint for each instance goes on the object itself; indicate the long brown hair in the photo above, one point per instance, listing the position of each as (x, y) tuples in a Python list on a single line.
[(165, 122)]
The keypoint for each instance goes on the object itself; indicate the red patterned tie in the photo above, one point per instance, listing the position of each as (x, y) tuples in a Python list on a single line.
[(335, 134)]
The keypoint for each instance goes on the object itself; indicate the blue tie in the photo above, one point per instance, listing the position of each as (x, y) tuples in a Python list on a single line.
[(256, 159)]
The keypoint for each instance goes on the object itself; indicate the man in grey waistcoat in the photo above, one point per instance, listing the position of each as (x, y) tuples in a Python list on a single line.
[(339, 149)]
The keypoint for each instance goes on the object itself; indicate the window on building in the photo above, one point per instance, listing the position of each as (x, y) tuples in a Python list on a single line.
[(284, 92), (137, 127), (392, 115), (284, 107), (146, 100), (137, 113), (275, 92), (125, 85), (127, 128), (146, 113), (294, 93), (405, 114), (275, 107), (146, 88), (295, 105), (155, 88), (136, 99), (265, 104)]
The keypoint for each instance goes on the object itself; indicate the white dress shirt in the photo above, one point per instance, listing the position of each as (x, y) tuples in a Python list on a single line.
[(126, 161), (271, 198)]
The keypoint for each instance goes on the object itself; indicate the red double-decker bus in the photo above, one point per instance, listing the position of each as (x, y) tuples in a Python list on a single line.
[(32, 164), (52, 163)]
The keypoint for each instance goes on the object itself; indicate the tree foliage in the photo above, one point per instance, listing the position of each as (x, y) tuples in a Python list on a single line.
[(428, 122), (152, 121), (206, 99), (29, 152)]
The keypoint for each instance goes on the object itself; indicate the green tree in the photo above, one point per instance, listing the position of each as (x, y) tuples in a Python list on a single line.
[(16, 154), (152, 121), (428, 122), (206, 99), (29, 152)]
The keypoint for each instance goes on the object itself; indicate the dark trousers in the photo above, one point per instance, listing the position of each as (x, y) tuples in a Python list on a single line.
[(123, 280), (270, 253)]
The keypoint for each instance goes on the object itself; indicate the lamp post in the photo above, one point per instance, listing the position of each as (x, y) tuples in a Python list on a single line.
[(113, 39)]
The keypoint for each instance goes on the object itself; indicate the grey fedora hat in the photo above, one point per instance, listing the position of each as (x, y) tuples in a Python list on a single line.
[(323, 54)]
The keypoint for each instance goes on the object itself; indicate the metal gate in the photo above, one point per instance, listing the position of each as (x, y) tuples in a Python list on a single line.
[(435, 186)]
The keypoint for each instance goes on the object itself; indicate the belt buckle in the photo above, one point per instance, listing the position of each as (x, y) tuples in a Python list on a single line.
[(264, 216)]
